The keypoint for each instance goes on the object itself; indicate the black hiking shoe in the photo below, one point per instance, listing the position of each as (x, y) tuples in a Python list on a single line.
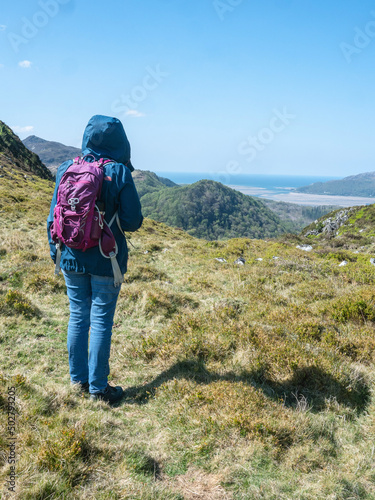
[(110, 395), (82, 387)]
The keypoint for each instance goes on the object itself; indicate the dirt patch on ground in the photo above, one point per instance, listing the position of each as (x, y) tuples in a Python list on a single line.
[(197, 484)]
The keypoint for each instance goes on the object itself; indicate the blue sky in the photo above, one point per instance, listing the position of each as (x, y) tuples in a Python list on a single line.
[(219, 86)]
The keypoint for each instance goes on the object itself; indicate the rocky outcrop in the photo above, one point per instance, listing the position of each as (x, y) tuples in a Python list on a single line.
[(331, 225)]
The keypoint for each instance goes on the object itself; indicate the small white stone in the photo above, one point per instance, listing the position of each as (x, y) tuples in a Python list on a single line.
[(306, 248), (240, 261), (343, 263)]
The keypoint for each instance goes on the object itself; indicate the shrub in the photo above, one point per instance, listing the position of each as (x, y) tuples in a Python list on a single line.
[(348, 309), (50, 284), (16, 303), (310, 331), (65, 454)]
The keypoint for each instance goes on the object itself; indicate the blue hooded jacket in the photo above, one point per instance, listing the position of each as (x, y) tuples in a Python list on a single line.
[(104, 137)]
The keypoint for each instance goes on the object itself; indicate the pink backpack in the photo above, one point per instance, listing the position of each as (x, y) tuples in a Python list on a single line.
[(78, 217)]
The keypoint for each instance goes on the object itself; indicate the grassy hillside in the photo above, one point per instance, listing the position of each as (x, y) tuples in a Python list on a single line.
[(354, 185), (241, 382), (15, 157), (208, 209), (350, 227)]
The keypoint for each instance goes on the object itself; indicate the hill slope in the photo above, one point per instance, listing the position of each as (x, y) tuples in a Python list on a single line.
[(354, 185), (149, 182), (353, 226), (52, 154), (208, 209), (15, 157)]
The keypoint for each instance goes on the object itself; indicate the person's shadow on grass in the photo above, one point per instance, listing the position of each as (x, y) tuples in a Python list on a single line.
[(309, 388)]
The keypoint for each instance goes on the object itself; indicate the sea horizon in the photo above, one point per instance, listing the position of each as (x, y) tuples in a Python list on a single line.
[(275, 183)]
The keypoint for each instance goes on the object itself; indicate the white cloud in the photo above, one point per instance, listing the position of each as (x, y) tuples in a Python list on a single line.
[(2, 27), (1, 65), (25, 64), (134, 113), (22, 130)]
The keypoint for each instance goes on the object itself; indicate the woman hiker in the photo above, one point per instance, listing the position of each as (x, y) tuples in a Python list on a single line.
[(89, 276)]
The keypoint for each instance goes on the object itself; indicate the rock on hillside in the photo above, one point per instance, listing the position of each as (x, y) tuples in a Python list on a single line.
[(330, 224), (52, 154), (15, 156)]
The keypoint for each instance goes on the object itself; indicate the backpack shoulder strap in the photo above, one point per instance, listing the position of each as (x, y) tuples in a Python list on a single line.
[(109, 250)]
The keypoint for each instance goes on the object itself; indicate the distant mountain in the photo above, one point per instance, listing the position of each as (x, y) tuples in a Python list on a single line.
[(52, 154), (354, 185), (148, 182), (208, 209), (17, 158)]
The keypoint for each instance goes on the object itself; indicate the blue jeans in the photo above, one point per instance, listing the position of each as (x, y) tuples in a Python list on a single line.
[(92, 307)]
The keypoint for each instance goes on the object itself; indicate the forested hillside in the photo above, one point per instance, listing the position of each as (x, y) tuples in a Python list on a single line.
[(148, 182), (296, 217), (208, 209), (354, 185)]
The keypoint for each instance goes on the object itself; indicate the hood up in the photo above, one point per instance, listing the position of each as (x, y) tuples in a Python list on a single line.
[(105, 137)]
